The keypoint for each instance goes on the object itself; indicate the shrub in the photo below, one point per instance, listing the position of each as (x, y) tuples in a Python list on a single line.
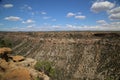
[(37, 78), (45, 67), (109, 78), (5, 43)]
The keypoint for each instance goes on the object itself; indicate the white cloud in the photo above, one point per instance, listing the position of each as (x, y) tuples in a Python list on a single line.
[(28, 21), (101, 22), (115, 16), (43, 12), (80, 17), (114, 11), (76, 15), (80, 28), (112, 26), (8, 5), (116, 23), (26, 7), (70, 14), (29, 8), (56, 26), (13, 18), (70, 26), (102, 6), (46, 17), (29, 26)]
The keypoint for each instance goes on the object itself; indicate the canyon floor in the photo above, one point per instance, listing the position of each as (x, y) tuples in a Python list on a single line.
[(74, 55)]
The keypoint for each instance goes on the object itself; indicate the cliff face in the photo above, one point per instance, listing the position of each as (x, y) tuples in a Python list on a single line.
[(75, 55)]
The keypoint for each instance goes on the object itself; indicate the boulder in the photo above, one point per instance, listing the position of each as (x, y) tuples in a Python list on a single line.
[(17, 58), (5, 50)]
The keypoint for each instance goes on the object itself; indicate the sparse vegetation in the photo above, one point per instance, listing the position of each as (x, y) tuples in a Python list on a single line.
[(45, 67), (5, 43), (109, 78), (37, 78)]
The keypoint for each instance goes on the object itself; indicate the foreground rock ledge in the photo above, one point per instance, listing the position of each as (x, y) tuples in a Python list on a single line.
[(18, 67)]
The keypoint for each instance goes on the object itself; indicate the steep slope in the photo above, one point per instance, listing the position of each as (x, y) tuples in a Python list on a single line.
[(75, 55)]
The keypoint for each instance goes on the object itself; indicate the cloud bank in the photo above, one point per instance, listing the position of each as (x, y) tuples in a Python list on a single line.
[(102, 6), (114, 14)]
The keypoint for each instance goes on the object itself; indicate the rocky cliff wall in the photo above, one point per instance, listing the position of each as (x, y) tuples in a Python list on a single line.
[(75, 55)]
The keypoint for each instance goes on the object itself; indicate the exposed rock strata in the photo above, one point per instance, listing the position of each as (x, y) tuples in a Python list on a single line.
[(76, 55)]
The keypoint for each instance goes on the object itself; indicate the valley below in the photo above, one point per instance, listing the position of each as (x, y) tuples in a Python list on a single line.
[(74, 55)]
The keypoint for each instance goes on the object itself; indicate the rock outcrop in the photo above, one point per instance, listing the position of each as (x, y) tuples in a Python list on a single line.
[(17, 58), (18, 67), (4, 52)]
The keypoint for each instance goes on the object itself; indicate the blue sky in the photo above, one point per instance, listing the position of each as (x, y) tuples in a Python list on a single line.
[(55, 15)]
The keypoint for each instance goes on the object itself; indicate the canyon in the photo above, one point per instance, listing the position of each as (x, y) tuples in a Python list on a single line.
[(74, 55)]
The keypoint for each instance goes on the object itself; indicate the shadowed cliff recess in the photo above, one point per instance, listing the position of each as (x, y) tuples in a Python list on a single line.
[(74, 55)]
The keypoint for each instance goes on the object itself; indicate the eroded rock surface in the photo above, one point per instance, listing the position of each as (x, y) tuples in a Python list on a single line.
[(75, 55), (18, 67)]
